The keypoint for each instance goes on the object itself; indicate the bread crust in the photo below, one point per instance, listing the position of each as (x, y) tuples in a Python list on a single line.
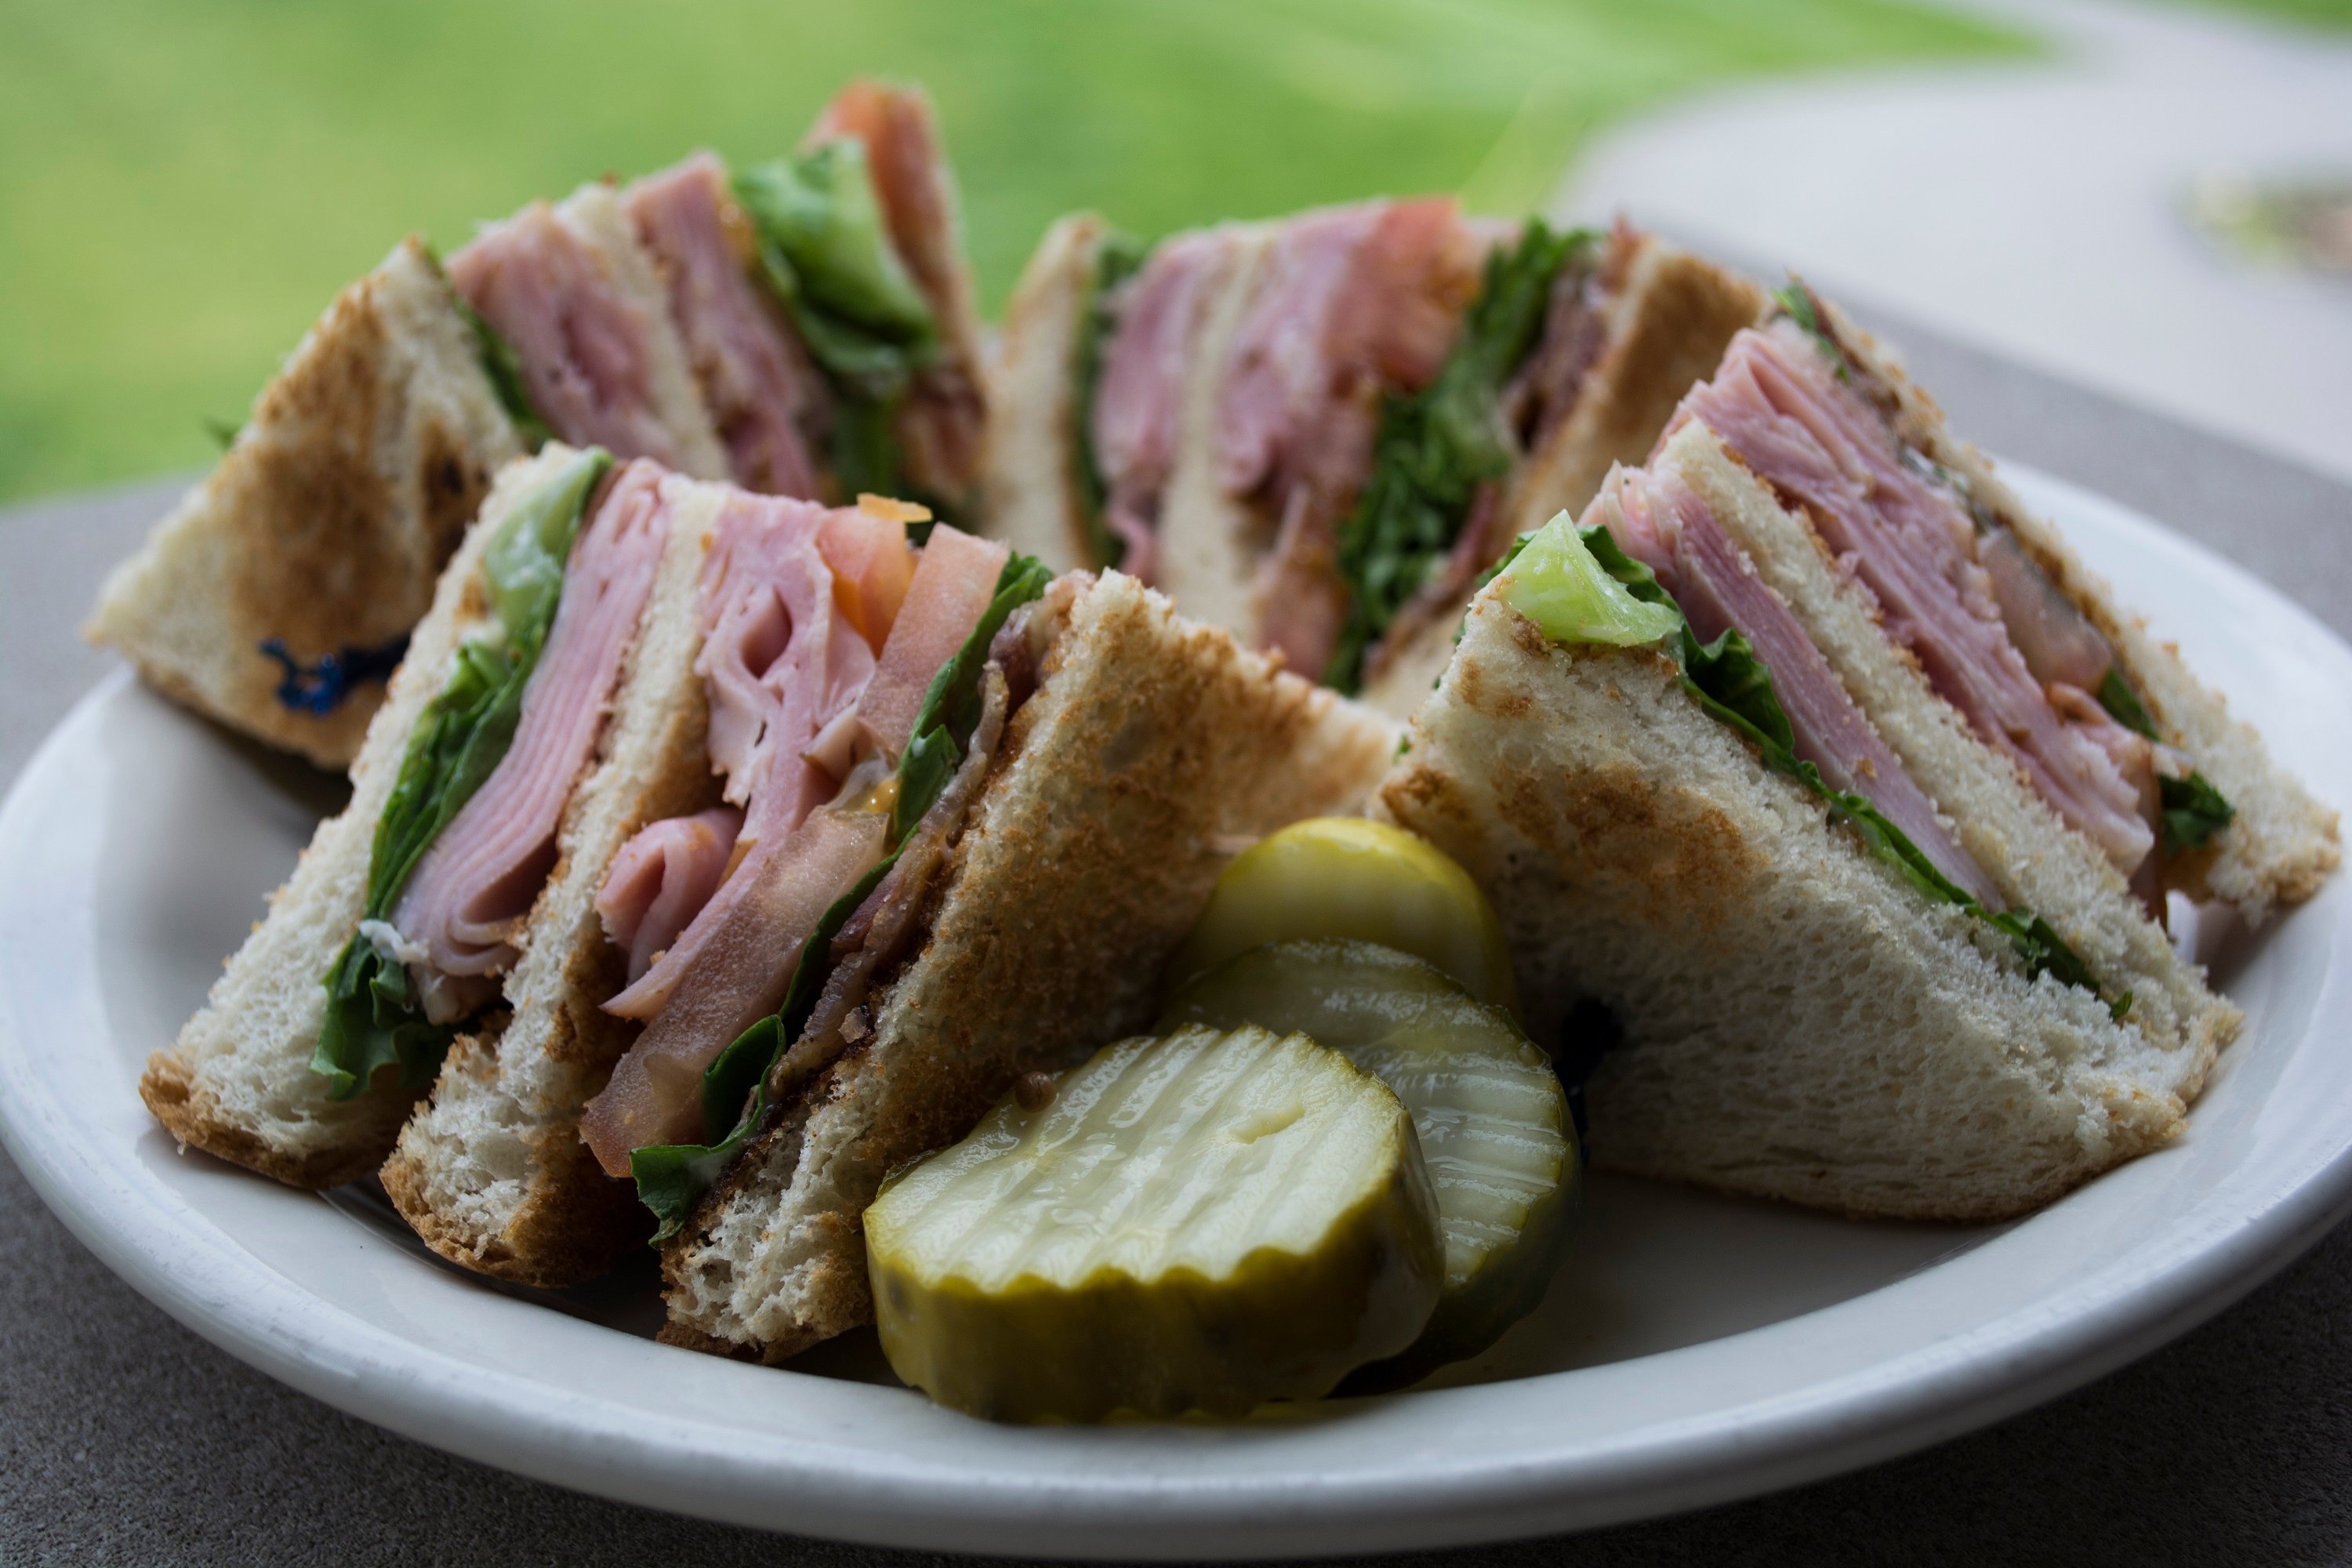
[(1029, 463), (326, 523), (1152, 749)]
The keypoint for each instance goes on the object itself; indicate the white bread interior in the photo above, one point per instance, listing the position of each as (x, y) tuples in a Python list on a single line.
[(598, 216), (2282, 842), (2033, 858), (328, 518), (1210, 545), (237, 1083), (1154, 748), (1799, 1022), (492, 1172), (1029, 461), (1666, 326)]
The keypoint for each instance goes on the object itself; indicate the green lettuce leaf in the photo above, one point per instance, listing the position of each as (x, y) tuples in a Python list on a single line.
[(373, 1019), (503, 367), (1437, 447), (1119, 257), (2122, 704), (672, 1177), (826, 255), (2193, 811), (1735, 687)]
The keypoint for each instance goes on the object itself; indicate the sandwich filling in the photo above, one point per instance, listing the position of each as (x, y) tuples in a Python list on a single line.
[(1393, 362), (820, 298), (579, 343), (855, 710), (468, 835), (1956, 588), (1649, 568), (764, 396)]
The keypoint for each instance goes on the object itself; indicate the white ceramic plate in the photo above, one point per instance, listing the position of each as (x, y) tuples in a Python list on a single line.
[(1693, 1349)]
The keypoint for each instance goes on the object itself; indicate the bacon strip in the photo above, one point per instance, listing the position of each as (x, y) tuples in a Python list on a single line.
[(1777, 402), (1662, 523), (468, 896), (547, 292), (755, 376)]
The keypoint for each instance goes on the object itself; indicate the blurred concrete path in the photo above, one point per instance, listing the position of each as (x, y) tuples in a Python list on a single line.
[(2036, 210)]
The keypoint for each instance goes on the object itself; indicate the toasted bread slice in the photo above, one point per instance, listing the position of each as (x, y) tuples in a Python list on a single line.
[(1031, 460), (325, 524), (1666, 324), (237, 1083), (492, 1173), (1152, 749), (1798, 1021), (2282, 842)]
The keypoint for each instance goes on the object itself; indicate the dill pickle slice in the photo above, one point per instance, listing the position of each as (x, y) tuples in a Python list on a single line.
[(1201, 1222), (1491, 1116), (1347, 876)]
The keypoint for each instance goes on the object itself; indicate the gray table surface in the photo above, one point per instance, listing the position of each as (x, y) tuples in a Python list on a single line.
[(125, 1438)]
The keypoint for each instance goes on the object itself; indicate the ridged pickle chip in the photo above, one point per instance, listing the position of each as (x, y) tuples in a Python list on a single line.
[(1201, 1222), (1346, 876), (1488, 1110)]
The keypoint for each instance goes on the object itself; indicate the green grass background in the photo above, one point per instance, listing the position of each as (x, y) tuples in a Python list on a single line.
[(184, 186)]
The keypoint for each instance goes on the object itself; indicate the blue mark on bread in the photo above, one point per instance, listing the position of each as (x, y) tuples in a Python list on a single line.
[(319, 688)]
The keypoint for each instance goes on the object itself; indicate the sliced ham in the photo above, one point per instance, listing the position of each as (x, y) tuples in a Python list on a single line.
[(1777, 401), (1139, 393), (1352, 303), (550, 294), (762, 391), (953, 583), (778, 663), (470, 894), (1662, 523), (662, 878), (737, 977)]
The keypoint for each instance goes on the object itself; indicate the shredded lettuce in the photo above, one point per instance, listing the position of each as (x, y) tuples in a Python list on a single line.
[(826, 255), (373, 1017), (672, 1177), (1119, 257), (1437, 447), (1735, 687), (2193, 811)]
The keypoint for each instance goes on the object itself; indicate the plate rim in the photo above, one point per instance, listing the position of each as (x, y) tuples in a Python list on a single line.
[(1891, 1407)]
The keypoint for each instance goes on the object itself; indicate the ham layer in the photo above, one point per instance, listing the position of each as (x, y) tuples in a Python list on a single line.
[(761, 388), (732, 965), (661, 879), (779, 662), (1777, 402), (470, 894), (1138, 412), (1351, 303), (1660, 523), (550, 294)]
